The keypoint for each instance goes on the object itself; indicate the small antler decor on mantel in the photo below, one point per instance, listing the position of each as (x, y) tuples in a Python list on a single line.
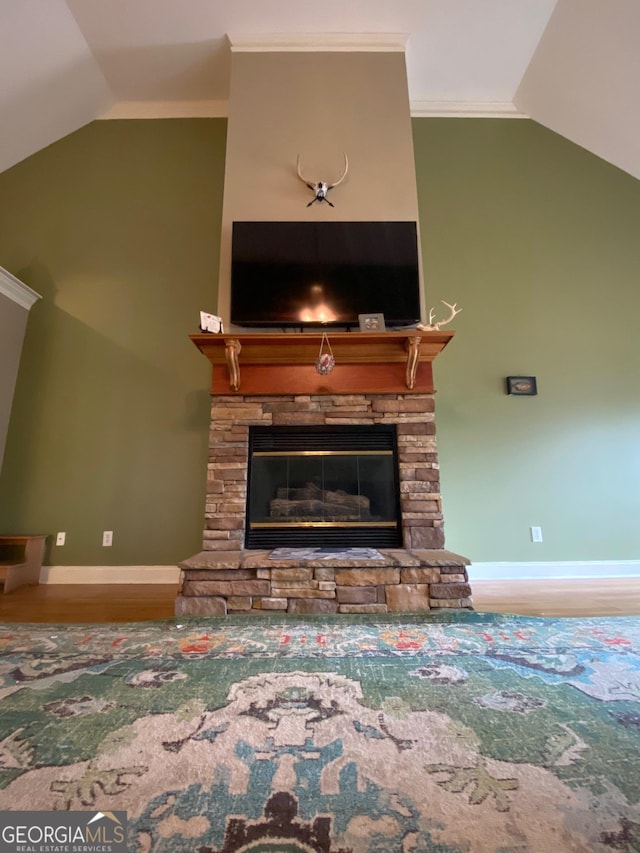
[(435, 327)]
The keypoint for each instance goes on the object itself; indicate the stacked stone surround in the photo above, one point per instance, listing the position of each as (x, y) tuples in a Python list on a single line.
[(225, 578)]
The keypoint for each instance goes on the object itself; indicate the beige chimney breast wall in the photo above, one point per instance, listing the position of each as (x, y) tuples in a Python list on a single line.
[(319, 105)]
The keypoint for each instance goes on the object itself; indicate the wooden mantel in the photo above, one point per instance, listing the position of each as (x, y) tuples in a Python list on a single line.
[(366, 362)]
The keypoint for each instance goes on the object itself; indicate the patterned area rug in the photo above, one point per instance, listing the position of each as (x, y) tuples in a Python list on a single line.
[(450, 733)]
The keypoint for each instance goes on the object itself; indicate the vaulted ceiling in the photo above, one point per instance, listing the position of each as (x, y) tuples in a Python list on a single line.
[(572, 65)]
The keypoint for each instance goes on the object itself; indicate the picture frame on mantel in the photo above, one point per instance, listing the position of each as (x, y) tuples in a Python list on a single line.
[(371, 322)]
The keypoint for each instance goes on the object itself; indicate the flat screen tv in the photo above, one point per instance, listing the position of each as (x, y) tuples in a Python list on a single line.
[(288, 274)]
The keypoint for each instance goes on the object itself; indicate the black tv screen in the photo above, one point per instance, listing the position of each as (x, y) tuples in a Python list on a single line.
[(287, 274)]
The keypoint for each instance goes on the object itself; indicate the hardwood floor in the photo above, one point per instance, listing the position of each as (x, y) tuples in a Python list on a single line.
[(69, 603), (577, 597)]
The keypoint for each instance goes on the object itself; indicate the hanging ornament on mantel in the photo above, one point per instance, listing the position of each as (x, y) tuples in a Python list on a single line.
[(325, 361)]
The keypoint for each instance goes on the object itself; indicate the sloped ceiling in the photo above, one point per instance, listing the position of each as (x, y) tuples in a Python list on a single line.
[(572, 65), (584, 78)]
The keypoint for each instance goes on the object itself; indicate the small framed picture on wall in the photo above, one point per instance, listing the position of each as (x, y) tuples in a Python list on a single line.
[(522, 386)]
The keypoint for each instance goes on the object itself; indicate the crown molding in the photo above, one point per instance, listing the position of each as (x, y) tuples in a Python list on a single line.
[(14, 289), (166, 109), (466, 109), (319, 42), (220, 108)]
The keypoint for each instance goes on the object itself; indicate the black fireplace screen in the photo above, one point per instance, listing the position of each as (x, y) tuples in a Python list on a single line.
[(323, 486)]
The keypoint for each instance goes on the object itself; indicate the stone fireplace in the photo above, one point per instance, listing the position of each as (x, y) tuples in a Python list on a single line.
[(265, 386)]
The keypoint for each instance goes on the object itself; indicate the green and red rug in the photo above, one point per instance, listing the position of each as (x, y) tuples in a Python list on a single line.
[(449, 733)]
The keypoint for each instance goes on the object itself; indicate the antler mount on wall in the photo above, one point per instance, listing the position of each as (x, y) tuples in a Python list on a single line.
[(321, 188)]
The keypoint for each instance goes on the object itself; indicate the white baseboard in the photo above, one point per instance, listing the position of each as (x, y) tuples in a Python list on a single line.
[(558, 570), (109, 574), (477, 571)]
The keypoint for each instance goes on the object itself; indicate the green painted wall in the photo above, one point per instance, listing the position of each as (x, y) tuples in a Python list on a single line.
[(538, 241), (117, 226)]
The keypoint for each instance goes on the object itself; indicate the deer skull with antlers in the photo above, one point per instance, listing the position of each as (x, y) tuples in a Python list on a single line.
[(435, 327), (321, 188)]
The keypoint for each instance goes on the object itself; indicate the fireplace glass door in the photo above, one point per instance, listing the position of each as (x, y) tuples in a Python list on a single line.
[(323, 486)]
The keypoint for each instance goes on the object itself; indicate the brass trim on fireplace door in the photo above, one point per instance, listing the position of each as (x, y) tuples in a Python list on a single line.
[(323, 453), (255, 524)]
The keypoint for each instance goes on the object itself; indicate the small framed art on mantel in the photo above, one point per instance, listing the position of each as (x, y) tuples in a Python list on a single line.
[(371, 322)]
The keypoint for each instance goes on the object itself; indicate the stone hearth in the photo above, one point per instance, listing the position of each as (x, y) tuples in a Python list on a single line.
[(225, 577)]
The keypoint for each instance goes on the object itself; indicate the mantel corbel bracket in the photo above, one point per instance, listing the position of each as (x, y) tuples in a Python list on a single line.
[(232, 350), (413, 347)]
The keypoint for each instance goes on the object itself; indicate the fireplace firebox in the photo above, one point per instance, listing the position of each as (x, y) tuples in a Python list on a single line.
[(323, 486)]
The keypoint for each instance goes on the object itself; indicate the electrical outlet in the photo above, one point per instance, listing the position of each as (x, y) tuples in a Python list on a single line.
[(107, 538), (536, 534), (61, 537)]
